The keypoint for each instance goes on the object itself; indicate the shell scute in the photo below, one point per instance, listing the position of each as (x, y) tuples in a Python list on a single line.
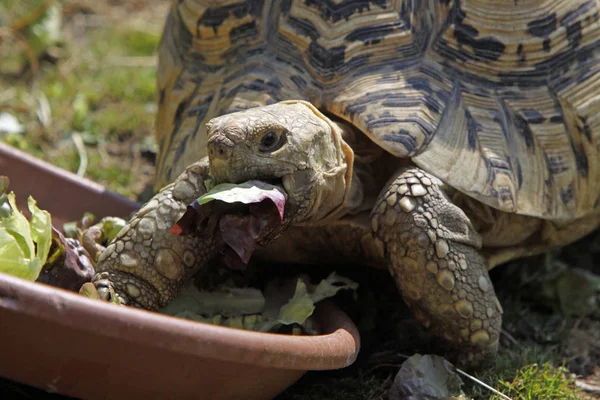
[(498, 99)]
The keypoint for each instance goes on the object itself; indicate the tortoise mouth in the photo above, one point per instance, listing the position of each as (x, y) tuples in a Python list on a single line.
[(274, 181), (280, 182), (286, 184)]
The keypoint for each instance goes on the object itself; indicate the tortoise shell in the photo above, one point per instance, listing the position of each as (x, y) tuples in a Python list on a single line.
[(499, 99)]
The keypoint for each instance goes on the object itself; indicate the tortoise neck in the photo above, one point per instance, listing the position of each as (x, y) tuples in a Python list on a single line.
[(343, 192)]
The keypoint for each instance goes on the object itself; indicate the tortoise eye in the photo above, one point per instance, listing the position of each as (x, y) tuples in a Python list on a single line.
[(269, 142)]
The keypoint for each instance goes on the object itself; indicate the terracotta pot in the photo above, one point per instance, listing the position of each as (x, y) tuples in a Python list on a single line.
[(66, 195), (62, 342)]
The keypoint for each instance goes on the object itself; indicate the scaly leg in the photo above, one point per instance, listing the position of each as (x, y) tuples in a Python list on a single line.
[(433, 253), (146, 265)]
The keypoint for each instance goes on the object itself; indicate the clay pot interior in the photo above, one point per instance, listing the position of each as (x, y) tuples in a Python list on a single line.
[(64, 343)]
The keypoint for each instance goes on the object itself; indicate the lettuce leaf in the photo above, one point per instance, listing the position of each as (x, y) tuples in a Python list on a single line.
[(288, 303), (301, 306), (244, 214), (247, 193), (24, 245)]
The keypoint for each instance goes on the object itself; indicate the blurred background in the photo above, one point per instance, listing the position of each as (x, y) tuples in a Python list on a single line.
[(77, 85)]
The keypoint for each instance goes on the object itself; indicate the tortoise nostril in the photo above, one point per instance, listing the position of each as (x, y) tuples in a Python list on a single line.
[(219, 148)]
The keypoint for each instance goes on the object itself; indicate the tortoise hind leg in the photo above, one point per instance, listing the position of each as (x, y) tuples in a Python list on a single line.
[(433, 253)]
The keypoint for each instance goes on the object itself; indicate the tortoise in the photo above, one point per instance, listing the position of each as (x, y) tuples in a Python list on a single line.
[(436, 138)]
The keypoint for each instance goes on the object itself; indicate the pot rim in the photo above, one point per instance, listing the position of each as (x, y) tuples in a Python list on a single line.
[(337, 348)]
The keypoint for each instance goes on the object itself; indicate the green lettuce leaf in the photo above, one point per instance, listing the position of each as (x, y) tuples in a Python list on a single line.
[(331, 285), (41, 230), (286, 303), (247, 193), (12, 259), (227, 302), (24, 245), (299, 308)]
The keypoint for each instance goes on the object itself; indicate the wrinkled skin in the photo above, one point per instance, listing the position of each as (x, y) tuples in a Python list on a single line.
[(406, 219)]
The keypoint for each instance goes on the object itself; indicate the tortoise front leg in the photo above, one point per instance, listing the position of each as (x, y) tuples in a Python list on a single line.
[(433, 253), (145, 266)]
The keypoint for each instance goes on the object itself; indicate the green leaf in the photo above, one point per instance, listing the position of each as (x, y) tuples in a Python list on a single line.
[(299, 308), (41, 230), (12, 260), (226, 302), (288, 303), (302, 304), (247, 193), (20, 238), (70, 230), (18, 227), (331, 285), (111, 226)]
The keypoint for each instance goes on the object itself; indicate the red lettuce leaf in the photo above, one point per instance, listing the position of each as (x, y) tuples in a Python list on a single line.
[(68, 266), (243, 214)]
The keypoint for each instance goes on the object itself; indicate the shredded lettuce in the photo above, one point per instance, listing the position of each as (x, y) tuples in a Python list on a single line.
[(290, 303)]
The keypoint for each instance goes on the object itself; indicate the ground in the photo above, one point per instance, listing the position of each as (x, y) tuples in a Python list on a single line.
[(80, 83)]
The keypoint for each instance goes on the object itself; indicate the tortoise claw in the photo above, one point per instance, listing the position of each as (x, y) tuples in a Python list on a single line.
[(100, 290), (89, 290)]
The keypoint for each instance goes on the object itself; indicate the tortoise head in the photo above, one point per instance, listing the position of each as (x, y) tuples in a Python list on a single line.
[(289, 143)]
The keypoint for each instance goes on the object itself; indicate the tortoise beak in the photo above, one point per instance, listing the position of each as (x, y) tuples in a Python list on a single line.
[(220, 150), (220, 147)]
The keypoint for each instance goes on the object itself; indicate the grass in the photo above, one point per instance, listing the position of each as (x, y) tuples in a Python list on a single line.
[(89, 89), (533, 382), (97, 83), (517, 374)]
